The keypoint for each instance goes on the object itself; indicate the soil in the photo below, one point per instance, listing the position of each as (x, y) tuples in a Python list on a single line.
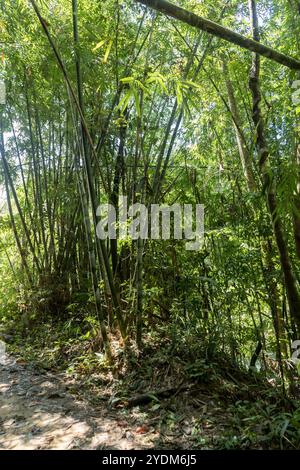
[(38, 412)]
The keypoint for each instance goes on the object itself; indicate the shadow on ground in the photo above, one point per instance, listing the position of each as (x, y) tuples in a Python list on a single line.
[(38, 412)]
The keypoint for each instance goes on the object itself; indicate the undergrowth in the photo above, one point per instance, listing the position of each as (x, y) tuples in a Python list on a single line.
[(218, 403)]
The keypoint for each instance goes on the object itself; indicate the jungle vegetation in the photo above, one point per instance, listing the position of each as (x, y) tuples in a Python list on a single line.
[(198, 104)]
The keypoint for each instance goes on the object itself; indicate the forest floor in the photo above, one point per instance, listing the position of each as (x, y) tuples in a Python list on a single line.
[(38, 411), (59, 394)]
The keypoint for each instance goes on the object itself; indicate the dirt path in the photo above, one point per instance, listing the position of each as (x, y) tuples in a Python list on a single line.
[(38, 412)]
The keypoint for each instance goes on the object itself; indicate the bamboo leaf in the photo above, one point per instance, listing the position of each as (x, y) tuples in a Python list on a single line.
[(100, 44), (107, 51), (124, 101), (137, 101)]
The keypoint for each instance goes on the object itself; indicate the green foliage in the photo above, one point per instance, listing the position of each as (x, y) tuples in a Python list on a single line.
[(158, 127)]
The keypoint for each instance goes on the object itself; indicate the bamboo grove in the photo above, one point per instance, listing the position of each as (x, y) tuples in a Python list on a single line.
[(135, 98)]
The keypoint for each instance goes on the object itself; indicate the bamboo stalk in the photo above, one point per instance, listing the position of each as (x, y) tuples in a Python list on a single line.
[(220, 31)]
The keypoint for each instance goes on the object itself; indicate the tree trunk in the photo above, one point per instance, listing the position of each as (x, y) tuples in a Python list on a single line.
[(268, 183)]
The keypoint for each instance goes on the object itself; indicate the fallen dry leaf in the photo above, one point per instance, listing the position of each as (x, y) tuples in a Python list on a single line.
[(142, 429)]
